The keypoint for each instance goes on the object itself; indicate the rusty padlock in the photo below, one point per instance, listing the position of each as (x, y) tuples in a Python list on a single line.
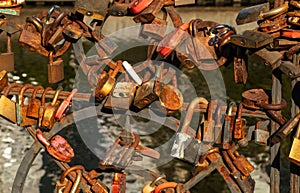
[(49, 111), (209, 123), (7, 59), (106, 82), (245, 184), (8, 107), (34, 104), (57, 147), (167, 185), (22, 108), (122, 96), (151, 11), (65, 106), (241, 163), (251, 39), (259, 100), (55, 69), (187, 146), (240, 66), (239, 125), (228, 126), (170, 97), (202, 54), (30, 37)]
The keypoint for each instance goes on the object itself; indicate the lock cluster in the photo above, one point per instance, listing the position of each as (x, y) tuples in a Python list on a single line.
[(119, 85)]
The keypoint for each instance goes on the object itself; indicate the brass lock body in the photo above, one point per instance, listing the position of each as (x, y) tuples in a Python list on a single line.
[(106, 82), (49, 111)]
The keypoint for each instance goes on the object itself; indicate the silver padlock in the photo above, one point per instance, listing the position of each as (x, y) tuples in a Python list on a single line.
[(186, 146), (261, 133)]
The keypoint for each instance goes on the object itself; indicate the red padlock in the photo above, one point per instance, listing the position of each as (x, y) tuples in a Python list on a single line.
[(171, 41), (65, 106), (137, 6), (57, 147)]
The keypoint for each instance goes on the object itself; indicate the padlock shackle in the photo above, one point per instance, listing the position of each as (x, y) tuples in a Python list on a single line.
[(24, 88), (36, 22), (68, 171), (230, 108), (41, 138), (275, 11), (10, 86), (190, 112), (275, 107), (207, 153), (36, 89), (77, 181), (44, 95), (73, 92), (165, 185), (50, 11), (53, 103)]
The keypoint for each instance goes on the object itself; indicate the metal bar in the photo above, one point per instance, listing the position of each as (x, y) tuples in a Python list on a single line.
[(275, 149), (294, 175)]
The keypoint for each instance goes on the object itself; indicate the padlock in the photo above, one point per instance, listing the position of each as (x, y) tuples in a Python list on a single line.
[(245, 184), (294, 155), (64, 185), (118, 184), (241, 163), (156, 29), (22, 108), (186, 146), (170, 97), (261, 133), (150, 187), (57, 147), (106, 82), (251, 39), (7, 59), (3, 79), (240, 124), (240, 66), (201, 53), (34, 104), (228, 126), (209, 123), (55, 69), (8, 107), (65, 106), (145, 94), (119, 156), (49, 111), (122, 96), (151, 11), (42, 106), (172, 40), (137, 6), (72, 32), (269, 58), (30, 38), (52, 32)]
